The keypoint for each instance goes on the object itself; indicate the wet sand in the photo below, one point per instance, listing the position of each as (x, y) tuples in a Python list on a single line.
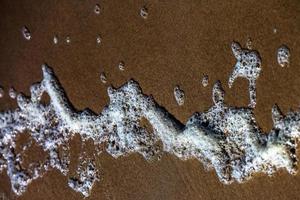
[(176, 44)]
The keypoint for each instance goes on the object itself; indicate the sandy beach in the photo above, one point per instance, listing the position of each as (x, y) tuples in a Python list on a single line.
[(177, 44)]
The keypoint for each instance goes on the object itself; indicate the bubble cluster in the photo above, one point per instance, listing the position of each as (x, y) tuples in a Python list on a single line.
[(179, 95), (283, 56), (248, 65), (121, 65)]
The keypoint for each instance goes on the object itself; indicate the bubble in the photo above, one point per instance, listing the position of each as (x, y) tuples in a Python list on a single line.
[(274, 30), (103, 78), (179, 95), (26, 33), (55, 39), (98, 39), (12, 93), (205, 80), (1, 92), (144, 12), (121, 65), (68, 40), (97, 9), (283, 56)]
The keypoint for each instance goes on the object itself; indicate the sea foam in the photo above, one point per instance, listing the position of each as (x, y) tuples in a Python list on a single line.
[(224, 138)]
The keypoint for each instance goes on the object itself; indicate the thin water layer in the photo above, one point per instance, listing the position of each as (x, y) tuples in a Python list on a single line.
[(224, 138)]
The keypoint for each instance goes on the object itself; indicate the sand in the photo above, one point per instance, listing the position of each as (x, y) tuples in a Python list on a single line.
[(175, 45)]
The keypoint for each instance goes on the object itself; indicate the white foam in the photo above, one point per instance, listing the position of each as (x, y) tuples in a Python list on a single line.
[(121, 65), (179, 95), (283, 56), (55, 39), (1, 92), (68, 40), (98, 39), (205, 80), (26, 33), (224, 138), (248, 65), (144, 12), (97, 9), (12, 93), (103, 78)]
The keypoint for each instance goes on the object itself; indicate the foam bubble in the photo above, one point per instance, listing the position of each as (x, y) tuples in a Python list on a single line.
[(55, 39), (179, 95), (205, 80), (97, 9), (283, 56), (98, 39), (144, 12), (121, 66), (249, 43), (103, 78), (26, 33), (12, 93), (1, 92), (68, 39)]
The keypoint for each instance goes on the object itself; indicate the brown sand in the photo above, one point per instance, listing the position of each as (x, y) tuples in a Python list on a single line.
[(178, 42)]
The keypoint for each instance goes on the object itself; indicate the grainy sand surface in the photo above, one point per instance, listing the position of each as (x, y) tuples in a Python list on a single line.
[(178, 43)]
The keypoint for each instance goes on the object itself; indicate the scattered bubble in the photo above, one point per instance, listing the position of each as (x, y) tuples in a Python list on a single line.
[(12, 93), (121, 65), (205, 80), (68, 39), (98, 39), (97, 9), (283, 56), (248, 65), (55, 39), (249, 43), (1, 92), (179, 95), (26, 33), (144, 12), (103, 78)]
